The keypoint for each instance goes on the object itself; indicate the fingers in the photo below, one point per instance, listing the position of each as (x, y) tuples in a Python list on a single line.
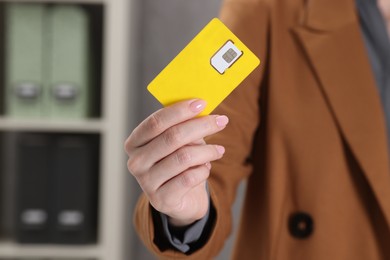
[(181, 135), (183, 159), (163, 119), (171, 161), (169, 197), (198, 142)]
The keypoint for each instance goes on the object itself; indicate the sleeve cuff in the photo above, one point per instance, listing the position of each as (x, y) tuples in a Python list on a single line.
[(189, 238)]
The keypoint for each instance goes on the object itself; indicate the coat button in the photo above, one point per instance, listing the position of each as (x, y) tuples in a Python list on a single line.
[(300, 225)]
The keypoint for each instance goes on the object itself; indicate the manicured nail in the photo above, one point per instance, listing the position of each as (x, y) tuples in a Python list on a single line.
[(220, 149), (222, 121), (197, 105)]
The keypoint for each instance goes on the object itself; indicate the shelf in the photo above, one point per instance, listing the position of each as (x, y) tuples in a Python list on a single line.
[(117, 99), (51, 125), (10, 249)]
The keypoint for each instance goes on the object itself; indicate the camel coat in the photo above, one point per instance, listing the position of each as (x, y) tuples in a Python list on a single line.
[(307, 132)]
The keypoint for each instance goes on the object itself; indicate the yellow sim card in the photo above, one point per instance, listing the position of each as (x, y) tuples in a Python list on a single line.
[(210, 67)]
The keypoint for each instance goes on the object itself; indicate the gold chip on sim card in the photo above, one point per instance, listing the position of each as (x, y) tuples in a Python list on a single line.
[(210, 67)]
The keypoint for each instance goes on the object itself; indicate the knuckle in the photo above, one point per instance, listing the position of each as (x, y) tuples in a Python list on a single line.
[(134, 164), (155, 123), (183, 156), (146, 186), (155, 201), (131, 166), (209, 124), (172, 136), (158, 202), (144, 182), (153, 198), (188, 180), (128, 144)]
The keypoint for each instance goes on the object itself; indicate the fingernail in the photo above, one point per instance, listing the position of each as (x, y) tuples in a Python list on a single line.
[(222, 121), (197, 105), (208, 165), (220, 149)]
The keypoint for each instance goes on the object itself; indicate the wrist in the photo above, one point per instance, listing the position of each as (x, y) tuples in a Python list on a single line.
[(180, 222)]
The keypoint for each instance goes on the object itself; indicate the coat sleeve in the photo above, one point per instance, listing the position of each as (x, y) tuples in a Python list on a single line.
[(249, 20)]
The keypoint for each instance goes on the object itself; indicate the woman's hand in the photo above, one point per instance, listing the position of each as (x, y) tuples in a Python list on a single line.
[(171, 161)]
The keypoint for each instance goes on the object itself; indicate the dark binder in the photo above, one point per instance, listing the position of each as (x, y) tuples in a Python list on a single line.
[(3, 177), (8, 148), (33, 198), (75, 167)]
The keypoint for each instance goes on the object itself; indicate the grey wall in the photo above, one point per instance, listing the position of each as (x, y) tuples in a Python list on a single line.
[(165, 27)]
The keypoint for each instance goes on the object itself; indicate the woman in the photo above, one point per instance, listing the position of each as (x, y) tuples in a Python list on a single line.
[(307, 129)]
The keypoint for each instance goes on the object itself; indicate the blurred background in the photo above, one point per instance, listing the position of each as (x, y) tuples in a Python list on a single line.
[(73, 86)]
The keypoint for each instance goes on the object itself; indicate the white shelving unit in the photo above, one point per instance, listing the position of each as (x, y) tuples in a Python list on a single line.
[(9, 249), (114, 214), (42, 125)]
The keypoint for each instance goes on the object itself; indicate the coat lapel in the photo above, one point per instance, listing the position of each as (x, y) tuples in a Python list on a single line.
[(331, 38)]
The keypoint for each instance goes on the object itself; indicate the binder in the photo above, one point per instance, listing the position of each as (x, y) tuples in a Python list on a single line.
[(3, 177), (75, 187), (2, 59), (69, 82), (8, 149), (25, 49), (56, 189), (33, 196)]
